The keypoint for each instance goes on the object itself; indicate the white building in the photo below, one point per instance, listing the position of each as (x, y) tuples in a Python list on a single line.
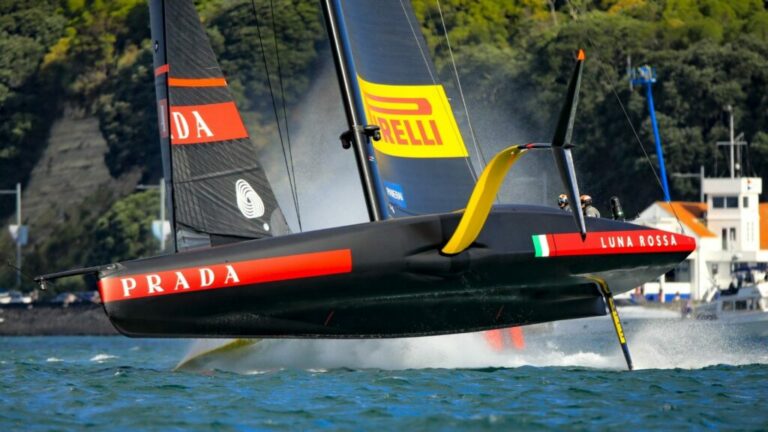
[(731, 231)]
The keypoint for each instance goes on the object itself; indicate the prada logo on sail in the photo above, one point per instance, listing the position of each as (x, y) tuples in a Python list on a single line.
[(196, 124), (415, 120), (611, 242), (234, 274)]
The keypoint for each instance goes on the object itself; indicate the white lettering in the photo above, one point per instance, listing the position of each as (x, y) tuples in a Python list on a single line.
[(642, 241), (651, 243), (201, 126), (395, 194), (620, 241), (629, 242), (161, 114), (673, 241), (666, 241), (182, 128), (153, 281), (128, 285), (181, 281), (602, 242), (612, 242), (231, 275), (206, 277)]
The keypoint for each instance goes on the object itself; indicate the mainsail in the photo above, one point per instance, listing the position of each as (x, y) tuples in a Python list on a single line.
[(423, 164), (219, 191)]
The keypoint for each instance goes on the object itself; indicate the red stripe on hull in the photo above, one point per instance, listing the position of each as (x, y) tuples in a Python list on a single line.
[(226, 275), (619, 242)]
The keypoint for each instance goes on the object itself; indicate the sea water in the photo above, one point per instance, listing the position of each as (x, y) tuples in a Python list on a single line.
[(704, 379)]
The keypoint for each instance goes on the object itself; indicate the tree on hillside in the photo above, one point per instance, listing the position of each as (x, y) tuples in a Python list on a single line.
[(26, 33)]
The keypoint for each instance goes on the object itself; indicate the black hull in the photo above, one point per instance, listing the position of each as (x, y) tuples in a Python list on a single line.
[(399, 284)]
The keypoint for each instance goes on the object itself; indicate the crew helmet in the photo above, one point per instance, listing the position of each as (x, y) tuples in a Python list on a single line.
[(562, 200), (585, 200)]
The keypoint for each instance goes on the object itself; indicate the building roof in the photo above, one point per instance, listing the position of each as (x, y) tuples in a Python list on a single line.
[(691, 214)]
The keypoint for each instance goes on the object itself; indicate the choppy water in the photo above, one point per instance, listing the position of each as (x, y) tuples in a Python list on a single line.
[(458, 382)]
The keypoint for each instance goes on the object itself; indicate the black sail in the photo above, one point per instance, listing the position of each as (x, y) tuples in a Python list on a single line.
[(421, 159), (219, 191)]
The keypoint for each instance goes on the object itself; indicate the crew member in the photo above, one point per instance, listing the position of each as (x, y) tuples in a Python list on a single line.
[(562, 202), (586, 207)]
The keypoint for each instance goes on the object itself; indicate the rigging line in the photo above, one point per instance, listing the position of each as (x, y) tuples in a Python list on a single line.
[(416, 39), (292, 172), (10, 264), (483, 161), (274, 103), (432, 76), (637, 138)]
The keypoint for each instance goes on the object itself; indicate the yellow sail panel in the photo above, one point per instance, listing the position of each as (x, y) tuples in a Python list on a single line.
[(416, 121)]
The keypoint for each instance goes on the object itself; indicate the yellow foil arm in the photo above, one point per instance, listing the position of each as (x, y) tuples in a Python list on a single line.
[(482, 199)]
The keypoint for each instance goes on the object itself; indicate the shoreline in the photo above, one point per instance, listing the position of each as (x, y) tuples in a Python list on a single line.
[(87, 319)]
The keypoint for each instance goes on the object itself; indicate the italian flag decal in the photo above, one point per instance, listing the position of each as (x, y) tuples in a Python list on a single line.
[(611, 243), (541, 245)]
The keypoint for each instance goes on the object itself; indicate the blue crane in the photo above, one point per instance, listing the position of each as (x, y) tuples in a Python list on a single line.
[(646, 75)]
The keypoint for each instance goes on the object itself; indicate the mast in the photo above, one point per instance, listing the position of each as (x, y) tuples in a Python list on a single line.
[(157, 21), (358, 134)]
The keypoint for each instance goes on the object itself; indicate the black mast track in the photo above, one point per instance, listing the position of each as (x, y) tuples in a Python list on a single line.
[(160, 47), (353, 119)]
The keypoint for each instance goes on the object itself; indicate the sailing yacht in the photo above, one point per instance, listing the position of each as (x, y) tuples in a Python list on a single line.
[(437, 256)]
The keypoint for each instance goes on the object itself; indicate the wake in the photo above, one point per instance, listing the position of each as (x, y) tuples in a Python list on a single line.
[(588, 343)]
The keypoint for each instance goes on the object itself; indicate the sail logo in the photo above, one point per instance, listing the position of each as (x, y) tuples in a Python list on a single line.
[(395, 194), (198, 124), (611, 242), (415, 121), (225, 275), (181, 125), (249, 202)]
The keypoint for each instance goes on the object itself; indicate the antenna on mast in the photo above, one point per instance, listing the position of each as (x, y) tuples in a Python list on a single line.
[(735, 144)]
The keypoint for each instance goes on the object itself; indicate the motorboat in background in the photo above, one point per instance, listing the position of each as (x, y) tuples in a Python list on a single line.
[(743, 306)]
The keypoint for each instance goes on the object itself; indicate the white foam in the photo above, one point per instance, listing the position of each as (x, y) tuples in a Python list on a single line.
[(100, 358), (592, 343)]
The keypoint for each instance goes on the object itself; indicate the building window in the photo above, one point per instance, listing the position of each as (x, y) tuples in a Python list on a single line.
[(725, 202), (745, 202), (733, 234), (725, 239)]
